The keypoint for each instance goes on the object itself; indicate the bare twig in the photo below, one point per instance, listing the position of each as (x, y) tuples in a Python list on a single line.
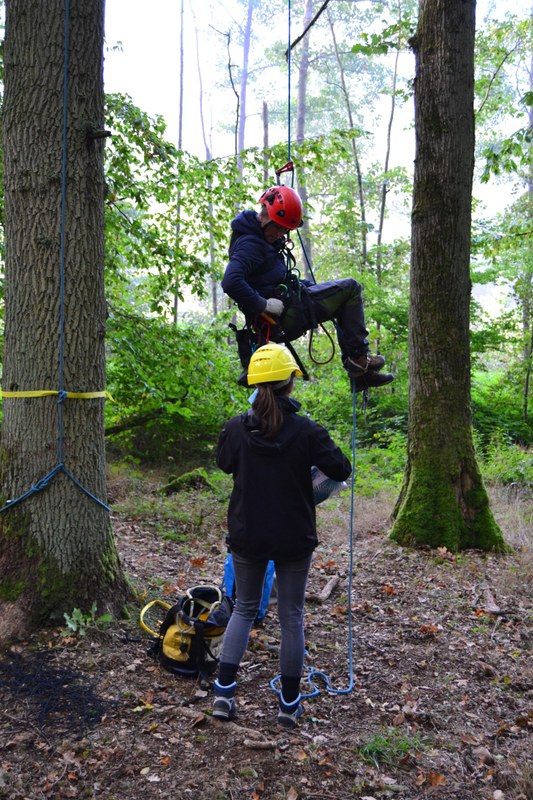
[(321, 597), (260, 744)]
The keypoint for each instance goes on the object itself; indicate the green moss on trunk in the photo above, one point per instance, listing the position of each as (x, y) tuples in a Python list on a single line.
[(11, 590), (35, 580), (441, 509)]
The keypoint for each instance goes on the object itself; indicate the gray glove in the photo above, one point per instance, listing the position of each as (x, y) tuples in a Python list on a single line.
[(274, 307)]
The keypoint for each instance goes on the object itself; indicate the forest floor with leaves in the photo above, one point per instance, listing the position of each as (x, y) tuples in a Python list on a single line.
[(441, 706)]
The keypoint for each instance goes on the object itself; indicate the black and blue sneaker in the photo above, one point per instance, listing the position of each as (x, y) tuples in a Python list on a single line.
[(289, 713), (224, 705)]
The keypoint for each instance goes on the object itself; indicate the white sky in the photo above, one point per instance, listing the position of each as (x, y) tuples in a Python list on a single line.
[(147, 68)]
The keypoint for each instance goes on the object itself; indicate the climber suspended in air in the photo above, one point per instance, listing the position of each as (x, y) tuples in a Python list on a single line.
[(259, 279)]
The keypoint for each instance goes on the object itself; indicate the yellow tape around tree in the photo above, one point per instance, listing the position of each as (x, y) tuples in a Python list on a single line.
[(50, 392)]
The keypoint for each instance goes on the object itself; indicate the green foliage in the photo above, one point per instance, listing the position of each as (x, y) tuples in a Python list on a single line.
[(504, 461), (79, 623), (186, 514), (510, 154), (390, 746), (392, 37), (503, 49), (380, 467), (497, 406), (161, 228), (168, 377)]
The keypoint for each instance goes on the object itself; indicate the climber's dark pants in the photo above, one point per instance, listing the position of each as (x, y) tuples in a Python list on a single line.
[(333, 300), (337, 300)]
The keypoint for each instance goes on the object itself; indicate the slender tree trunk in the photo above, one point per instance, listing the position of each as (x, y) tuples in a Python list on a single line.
[(385, 184), (357, 163), (528, 301), (265, 144), (244, 76), (180, 147), (443, 500), (301, 113), (214, 284), (56, 547)]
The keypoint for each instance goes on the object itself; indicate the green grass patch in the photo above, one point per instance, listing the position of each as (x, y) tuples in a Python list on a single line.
[(390, 746)]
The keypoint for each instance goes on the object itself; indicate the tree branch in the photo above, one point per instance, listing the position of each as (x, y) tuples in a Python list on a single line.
[(299, 39)]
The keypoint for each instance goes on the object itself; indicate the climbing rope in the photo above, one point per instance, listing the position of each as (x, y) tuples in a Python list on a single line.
[(61, 393), (313, 675), (289, 15)]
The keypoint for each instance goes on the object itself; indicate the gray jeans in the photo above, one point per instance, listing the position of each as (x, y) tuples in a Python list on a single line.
[(291, 579)]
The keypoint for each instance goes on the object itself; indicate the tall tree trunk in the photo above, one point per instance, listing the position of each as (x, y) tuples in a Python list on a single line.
[(265, 143), (528, 277), (244, 77), (301, 113), (180, 147), (443, 501), (355, 151), (214, 284), (56, 547), (385, 184)]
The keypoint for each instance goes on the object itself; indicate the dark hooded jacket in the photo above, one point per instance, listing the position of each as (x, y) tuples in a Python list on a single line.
[(255, 266), (271, 511)]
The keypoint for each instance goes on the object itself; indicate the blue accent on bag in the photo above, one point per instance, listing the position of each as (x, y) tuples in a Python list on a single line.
[(229, 585)]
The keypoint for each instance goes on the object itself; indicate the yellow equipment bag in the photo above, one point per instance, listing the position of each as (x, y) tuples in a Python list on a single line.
[(190, 636)]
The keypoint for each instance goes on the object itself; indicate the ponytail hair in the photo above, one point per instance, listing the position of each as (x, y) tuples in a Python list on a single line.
[(266, 407)]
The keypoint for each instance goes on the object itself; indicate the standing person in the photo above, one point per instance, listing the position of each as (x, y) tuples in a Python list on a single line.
[(258, 280), (270, 450)]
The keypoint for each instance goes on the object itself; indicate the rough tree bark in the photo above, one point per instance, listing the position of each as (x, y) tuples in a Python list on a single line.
[(443, 501), (57, 550)]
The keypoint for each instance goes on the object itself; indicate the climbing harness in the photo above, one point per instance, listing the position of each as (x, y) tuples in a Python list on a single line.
[(61, 393)]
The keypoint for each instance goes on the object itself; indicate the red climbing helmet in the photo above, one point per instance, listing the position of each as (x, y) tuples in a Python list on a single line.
[(283, 206)]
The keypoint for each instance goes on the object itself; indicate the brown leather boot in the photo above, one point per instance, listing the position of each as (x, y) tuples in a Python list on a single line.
[(370, 380), (359, 365)]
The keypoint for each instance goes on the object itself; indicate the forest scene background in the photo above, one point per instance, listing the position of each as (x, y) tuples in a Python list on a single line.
[(441, 701), (171, 358)]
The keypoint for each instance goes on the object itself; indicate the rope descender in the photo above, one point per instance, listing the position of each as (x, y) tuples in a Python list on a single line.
[(288, 167)]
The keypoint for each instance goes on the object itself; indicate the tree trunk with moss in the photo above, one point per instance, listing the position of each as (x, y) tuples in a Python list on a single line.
[(57, 550), (443, 502)]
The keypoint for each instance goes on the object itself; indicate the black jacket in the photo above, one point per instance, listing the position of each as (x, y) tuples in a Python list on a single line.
[(271, 511), (255, 267)]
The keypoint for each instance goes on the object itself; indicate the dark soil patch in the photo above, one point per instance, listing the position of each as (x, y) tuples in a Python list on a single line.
[(442, 702)]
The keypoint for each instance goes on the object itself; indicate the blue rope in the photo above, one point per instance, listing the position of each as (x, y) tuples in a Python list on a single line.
[(289, 88), (62, 395), (63, 215), (314, 674)]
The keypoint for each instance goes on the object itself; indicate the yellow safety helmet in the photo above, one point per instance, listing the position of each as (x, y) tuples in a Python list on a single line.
[(272, 363)]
